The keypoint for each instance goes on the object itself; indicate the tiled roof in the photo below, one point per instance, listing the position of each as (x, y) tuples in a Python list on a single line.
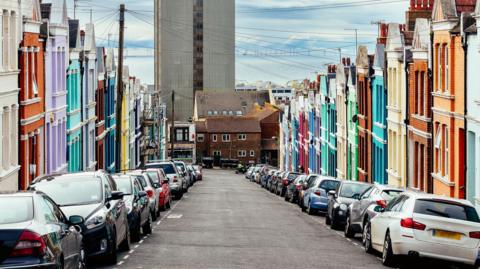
[(232, 125), (228, 101)]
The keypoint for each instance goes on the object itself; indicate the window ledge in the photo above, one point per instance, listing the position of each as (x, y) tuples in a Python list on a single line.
[(394, 109), (379, 125), (443, 180), (30, 101), (422, 118), (443, 95)]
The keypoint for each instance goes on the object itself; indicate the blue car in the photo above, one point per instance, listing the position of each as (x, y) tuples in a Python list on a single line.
[(315, 198)]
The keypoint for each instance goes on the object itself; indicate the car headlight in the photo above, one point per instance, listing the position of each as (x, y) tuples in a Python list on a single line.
[(96, 220), (129, 208), (335, 205), (343, 207)]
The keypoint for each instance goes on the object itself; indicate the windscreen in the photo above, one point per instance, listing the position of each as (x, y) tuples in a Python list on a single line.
[(22, 211), (72, 190), (446, 209)]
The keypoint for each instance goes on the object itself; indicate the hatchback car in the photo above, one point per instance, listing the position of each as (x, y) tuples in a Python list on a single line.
[(35, 233), (425, 225), (175, 179), (182, 168), (95, 197), (361, 211), (152, 189), (285, 181), (199, 172), (339, 200), (165, 198), (315, 198), (293, 189), (137, 204)]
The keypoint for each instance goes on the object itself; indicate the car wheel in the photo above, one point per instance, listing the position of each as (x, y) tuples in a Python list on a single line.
[(367, 237), (349, 233), (125, 245), (111, 258), (286, 197), (388, 259), (81, 259), (154, 215), (328, 221), (310, 211), (334, 223), (61, 263), (147, 227)]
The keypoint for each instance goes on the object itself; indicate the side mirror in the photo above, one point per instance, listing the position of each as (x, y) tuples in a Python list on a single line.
[(165, 181), (117, 195), (332, 193), (379, 209), (156, 185), (76, 220), (142, 194), (356, 196)]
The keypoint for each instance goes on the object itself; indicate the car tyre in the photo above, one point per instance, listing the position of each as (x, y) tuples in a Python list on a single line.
[(147, 227), (388, 258), (82, 261), (154, 215), (328, 221), (125, 245), (112, 258), (310, 211), (135, 234), (367, 237), (349, 233)]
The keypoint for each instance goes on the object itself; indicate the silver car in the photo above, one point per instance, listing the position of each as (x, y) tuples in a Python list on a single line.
[(182, 168), (363, 210), (151, 190), (175, 178)]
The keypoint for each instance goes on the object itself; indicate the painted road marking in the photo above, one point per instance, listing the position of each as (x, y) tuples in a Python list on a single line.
[(174, 216), (120, 262), (131, 251), (126, 257)]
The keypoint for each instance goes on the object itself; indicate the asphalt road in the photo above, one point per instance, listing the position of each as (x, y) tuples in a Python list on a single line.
[(226, 221)]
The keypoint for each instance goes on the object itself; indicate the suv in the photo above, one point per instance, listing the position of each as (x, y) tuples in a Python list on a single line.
[(93, 196), (176, 181)]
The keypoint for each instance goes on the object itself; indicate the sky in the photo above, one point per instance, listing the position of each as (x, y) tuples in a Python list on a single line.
[(276, 40)]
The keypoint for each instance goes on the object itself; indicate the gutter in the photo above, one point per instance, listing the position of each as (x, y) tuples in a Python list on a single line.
[(407, 115), (430, 96), (465, 108)]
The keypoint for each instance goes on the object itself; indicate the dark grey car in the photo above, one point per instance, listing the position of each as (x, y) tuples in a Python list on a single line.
[(362, 210)]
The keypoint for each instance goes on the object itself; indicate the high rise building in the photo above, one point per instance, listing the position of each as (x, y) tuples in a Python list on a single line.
[(195, 50)]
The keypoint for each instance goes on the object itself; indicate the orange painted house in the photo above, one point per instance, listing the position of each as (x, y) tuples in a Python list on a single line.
[(448, 98), (31, 98)]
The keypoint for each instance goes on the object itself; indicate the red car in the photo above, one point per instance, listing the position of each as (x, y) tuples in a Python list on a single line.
[(165, 199)]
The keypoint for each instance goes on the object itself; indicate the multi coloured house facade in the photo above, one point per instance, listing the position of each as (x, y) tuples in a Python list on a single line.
[(10, 21), (31, 97), (341, 115), (101, 132), (110, 120), (74, 95), (55, 32), (352, 125)]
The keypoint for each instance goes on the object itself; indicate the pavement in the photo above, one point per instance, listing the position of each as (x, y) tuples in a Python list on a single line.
[(225, 221)]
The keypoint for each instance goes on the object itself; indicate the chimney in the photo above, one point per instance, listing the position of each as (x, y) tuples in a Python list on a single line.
[(344, 61), (348, 61)]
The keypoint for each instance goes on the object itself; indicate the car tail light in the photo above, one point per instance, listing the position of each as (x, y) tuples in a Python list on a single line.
[(175, 179), (285, 182), (150, 193), (29, 244), (318, 193), (382, 203), (299, 187), (475, 235), (411, 224)]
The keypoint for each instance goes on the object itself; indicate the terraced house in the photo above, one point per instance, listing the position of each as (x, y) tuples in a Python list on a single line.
[(352, 123), (110, 120), (10, 21), (396, 105), (449, 98), (31, 97), (55, 31), (364, 100), (101, 132), (341, 111), (74, 95)]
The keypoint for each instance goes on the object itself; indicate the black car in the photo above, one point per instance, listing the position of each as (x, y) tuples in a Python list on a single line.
[(294, 188), (339, 200), (283, 183), (95, 197), (34, 233), (138, 206)]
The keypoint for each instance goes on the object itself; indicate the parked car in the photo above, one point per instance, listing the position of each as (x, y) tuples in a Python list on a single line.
[(361, 211), (340, 199), (138, 206), (293, 188), (285, 181), (276, 181), (266, 178), (95, 197), (425, 225), (192, 173), (311, 178), (165, 198), (199, 171), (182, 168), (153, 193), (271, 179), (316, 194), (35, 233), (248, 174), (175, 179)]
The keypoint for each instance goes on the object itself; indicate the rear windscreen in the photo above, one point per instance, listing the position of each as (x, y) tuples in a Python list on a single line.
[(446, 209), (20, 212), (292, 176), (329, 185)]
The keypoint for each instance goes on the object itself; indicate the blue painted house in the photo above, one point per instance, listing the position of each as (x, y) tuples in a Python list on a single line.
[(379, 118), (110, 122), (74, 87), (324, 135), (332, 123)]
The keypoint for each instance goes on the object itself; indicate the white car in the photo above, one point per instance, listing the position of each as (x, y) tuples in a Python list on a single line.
[(425, 225)]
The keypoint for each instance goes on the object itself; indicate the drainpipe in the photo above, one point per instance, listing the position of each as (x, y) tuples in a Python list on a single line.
[(407, 113), (465, 108), (430, 96)]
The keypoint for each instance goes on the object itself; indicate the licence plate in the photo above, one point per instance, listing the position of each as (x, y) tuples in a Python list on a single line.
[(447, 235)]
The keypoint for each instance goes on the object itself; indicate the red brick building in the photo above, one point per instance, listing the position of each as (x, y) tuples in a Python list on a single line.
[(31, 98), (420, 100), (269, 117), (227, 137), (364, 100)]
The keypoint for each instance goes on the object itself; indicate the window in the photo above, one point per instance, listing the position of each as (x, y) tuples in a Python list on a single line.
[(5, 138), (439, 67), (217, 153), (242, 153), (209, 113), (1, 44), (182, 134), (252, 153), (438, 150), (214, 138), (226, 138), (446, 86), (242, 137), (446, 152), (5, 39), (200, 137), (48, 211)]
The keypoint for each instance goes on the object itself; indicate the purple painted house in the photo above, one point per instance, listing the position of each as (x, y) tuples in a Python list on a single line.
[(55, 31)]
